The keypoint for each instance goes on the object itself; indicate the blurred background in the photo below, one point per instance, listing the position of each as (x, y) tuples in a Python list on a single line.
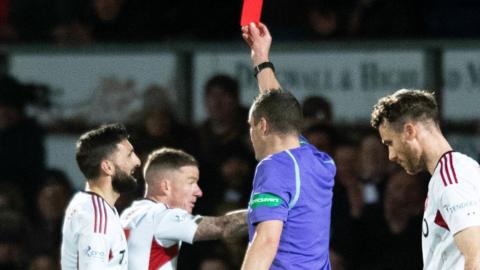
[(178, 74)]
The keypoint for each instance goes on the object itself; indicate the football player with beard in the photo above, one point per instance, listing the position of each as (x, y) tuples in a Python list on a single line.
[(92, 234), (409, 125)]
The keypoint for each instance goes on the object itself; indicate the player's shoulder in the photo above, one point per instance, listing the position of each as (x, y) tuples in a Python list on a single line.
[(81, 203), (139, 209), (455, 169), (87, 207), (171, 217), (175, 214), (80, 212), (462, 161)]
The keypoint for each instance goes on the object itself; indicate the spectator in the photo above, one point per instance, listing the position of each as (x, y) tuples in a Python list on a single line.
[(374, 168), (35, 20), (358, 232), (214, 263), (11, 197), (13, 225), (22, 151), (208, 13), (223, 133), (399, 247), (386, 19), (52, 201), (462, 18), (337, 262), (322, 136), (347, 205), (107, 21), (44, 262), (7, 31), (235, 174), (317, 109), (158, 125), (326, 19)]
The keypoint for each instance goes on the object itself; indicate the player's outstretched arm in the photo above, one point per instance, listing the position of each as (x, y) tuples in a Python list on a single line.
[(259, 40), (231, 225), (468, 242), (262, 251)]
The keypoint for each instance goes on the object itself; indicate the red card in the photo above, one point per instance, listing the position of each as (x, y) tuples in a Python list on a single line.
[(252, 9)]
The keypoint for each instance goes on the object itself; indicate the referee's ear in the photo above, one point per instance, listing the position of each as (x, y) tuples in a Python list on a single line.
[(264, 126)]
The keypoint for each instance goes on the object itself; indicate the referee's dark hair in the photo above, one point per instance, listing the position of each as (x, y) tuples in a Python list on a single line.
[(96, 145), (281, 110)]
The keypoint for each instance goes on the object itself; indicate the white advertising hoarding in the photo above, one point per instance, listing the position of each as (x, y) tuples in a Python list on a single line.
[(351, 80), (461, 93), (96, 88)]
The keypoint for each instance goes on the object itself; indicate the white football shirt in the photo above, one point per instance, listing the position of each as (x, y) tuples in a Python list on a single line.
[(452, 205), (92, 235), (154, 234)]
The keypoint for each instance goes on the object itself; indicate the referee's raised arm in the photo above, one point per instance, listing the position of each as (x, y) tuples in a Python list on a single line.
[(259, 40)]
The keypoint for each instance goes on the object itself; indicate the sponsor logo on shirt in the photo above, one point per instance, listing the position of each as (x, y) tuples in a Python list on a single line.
[(95, 254), (265, 199), (179, 217), (453, 208)]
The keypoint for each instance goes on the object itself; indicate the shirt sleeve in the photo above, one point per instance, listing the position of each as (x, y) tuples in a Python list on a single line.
[(93, 248), (175, 224), (272, 191), (460, 204)]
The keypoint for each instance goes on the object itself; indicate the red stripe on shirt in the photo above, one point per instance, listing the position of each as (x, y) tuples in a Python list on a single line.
[(95, 214), (453, 168), (447, 169), (100, 210), (160, 255), (441, 173), (105, 214)]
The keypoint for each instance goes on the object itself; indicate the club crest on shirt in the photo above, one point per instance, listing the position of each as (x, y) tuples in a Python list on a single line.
[(95, 254), (179, 217)]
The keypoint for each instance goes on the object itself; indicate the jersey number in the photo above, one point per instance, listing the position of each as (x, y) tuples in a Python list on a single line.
[(122, 252), (425, 228)]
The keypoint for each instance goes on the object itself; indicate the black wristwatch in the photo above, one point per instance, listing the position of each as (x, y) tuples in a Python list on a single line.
[(261, 66)]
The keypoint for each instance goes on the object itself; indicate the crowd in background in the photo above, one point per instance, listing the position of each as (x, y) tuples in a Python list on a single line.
[(77, 22)]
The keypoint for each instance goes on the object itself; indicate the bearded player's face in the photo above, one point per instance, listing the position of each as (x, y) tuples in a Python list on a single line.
[(125, 162), (402, 148)]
